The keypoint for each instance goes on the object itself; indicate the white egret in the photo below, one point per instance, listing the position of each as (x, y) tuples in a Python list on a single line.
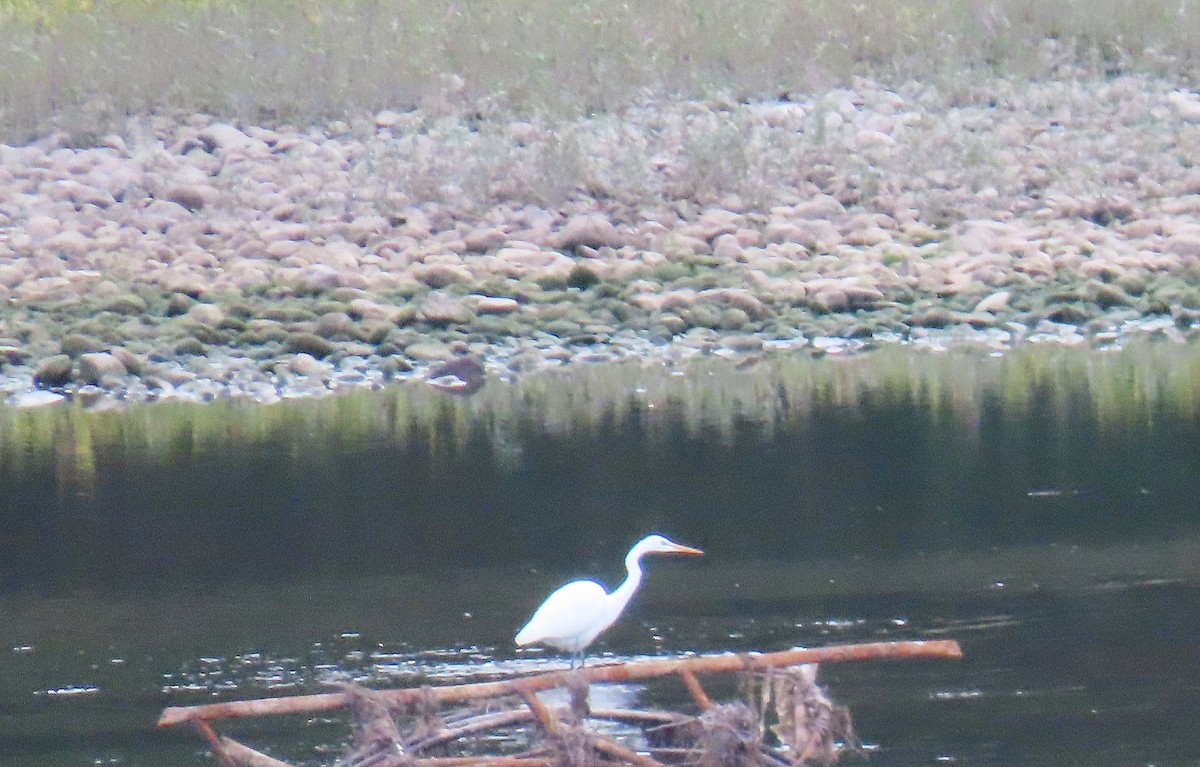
[(574, 615)]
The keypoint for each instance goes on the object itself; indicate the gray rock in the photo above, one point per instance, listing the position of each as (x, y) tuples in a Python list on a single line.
[(495, 305), (443, 275), (191, 196), (933, 317), (335, 325), (96, 366), (592, 230), (192, 346), (53, 371), (742, 343), (830, 299), (581, 277), (208, 315), (996, 302), (128, 359), (441, 309), (75, 344), (484, 240), (126, 303), (306, 365), (12, 353), (727, 248), (428, 350), (1069, 314), (733, 318), (395, 364), (308, 343), (1107, 296), (225, 136), (179, 304)]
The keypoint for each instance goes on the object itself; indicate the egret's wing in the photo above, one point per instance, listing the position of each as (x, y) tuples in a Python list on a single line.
[(569, 613)]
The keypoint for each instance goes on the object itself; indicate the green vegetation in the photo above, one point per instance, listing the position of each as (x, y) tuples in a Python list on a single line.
[(82, 65), (707, 395)]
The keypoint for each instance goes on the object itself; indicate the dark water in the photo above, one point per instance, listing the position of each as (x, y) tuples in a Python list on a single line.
[(1061, 549)]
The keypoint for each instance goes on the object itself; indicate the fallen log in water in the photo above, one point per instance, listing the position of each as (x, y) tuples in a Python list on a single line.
[(617, 672), (809, 725)]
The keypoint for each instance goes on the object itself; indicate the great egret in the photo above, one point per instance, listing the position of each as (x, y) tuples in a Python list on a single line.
[(573, 616)]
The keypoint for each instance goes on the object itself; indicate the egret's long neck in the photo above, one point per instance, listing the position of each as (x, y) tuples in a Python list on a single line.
[(624, 592)]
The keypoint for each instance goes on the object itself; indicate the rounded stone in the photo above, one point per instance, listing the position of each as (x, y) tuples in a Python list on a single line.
[(128, 359), (191, 346), (208, 315), (305, 364), (75, 344), (336, 325), (581, 277), (1070, 314), (308, 343), (126, 303), (179, 304), (742, 343), (733, 318), (53, 371), (996, 302), (95, 367)]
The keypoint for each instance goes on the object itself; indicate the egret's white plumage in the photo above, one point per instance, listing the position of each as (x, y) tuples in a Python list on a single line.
[(573, 616)]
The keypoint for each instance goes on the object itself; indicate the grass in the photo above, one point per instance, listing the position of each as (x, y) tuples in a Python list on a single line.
[(82, 65), (707, 396)]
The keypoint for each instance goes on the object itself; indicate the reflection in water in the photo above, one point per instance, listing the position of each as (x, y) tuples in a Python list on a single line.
[(212, 554)]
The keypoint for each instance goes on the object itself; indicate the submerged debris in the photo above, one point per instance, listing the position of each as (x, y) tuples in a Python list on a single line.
[(410, 727), (375, 740), (729, 736), (807, 721), (571, 744)]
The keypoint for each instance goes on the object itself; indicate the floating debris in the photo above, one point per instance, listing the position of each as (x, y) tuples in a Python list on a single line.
[(407, 727)]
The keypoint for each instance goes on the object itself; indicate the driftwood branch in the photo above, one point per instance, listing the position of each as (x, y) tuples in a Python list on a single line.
[(248, 757), (693, 686), (623, 672), (610, 747), (243, 755), (498, 719)]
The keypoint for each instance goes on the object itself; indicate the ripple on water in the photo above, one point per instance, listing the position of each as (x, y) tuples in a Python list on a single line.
[(69, 691)]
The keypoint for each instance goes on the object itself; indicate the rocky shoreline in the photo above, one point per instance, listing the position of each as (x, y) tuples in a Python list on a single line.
[(192, 258)]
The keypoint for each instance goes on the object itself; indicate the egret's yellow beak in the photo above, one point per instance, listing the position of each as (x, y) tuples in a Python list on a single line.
[(679, 549)]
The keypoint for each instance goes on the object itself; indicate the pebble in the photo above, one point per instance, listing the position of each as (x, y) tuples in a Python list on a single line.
[(200, 240), (996, 302), (306, 365), (53, 371), (495, 305), (207, 315), (94, 367), (591, 230)]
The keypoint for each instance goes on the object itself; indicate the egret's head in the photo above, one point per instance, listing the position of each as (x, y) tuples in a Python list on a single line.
[(656, 544)]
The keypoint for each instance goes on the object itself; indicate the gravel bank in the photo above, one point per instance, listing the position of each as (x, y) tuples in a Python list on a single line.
[(193, 258)]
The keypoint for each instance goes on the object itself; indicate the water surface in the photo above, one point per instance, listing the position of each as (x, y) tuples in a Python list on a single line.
[(1057, 541)]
